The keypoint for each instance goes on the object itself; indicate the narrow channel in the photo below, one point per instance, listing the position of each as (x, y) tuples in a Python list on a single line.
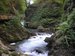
[(35, 45)]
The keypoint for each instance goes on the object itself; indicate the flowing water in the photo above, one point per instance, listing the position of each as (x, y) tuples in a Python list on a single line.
[(35, 45)]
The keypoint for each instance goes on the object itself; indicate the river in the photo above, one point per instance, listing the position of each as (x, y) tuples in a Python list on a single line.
[(35, 45)]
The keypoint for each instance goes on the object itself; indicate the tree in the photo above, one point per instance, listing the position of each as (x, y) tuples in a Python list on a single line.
[(22, 4), (7, 6)]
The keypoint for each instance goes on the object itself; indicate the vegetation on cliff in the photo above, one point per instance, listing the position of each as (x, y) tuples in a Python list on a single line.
[(55, 15), (11, 30)]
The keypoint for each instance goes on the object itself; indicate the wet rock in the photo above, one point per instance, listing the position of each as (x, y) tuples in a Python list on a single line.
[(39, 33), (73, 51), (32, 34), (50, 52), (50, 42), (46, 29), (40, 28), (12, 44), (38, 51), (33, 25), (12, 48), (34, 37), (47, 40), (51, 55)]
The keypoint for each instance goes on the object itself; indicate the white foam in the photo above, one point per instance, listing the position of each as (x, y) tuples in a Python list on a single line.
[(12, 44), (35, 43)]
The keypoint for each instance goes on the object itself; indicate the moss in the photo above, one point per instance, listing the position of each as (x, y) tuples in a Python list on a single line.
[(22, 5), (14, 54), (12, 31), (1, 50), (4, 6)]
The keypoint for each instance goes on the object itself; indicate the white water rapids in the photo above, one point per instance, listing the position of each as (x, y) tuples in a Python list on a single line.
[(35, 45)]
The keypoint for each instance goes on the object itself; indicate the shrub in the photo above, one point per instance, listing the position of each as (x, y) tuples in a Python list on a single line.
[(68, 30)]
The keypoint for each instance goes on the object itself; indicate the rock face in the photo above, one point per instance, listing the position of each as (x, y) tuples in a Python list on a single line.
[(8, 35), (3, 48), (13, 34), (12, 31), (5, 17), (55, 46)]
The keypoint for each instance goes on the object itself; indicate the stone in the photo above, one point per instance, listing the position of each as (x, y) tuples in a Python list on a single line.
[(40, 28), (2, 46), (50, 42), (3, 54)]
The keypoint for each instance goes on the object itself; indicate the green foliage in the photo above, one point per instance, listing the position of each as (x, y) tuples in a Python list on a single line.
[(22, 5), (38, 1), (44, 1), (68, 29), (45, 14), (12, 31), (47, 22), (60, 1), (15, 21), (64, 26), (4, 6), (69, 22), (34, 24)]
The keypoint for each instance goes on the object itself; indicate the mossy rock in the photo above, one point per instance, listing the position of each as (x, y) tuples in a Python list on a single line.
[(12, 31), (40, 28), (33, 25), (14, 54)]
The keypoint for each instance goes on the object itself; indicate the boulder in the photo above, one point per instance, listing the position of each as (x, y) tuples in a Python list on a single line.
[(12, 34), (50, 42), (40, 28), (33, 25)]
